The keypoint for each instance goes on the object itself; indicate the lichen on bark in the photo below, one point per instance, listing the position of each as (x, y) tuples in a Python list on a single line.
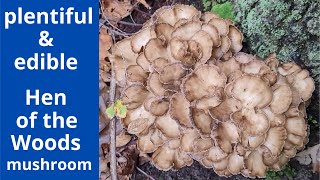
[(291, 29)]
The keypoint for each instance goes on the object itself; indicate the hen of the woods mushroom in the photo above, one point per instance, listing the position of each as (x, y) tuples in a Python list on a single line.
[(191, 95)]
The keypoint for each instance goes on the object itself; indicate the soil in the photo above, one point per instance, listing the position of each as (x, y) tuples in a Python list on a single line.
[(196, 171)]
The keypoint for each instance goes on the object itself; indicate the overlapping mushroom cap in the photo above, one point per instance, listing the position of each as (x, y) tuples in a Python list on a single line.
[(191, 95)]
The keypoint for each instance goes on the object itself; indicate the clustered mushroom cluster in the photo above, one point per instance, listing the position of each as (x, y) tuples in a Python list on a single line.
[(191, 95)]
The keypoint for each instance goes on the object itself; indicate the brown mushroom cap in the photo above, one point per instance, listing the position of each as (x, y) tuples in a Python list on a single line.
[(224, 110), (275, 140), (226, 134), (134, 96), (218, 52), (159, 107), (303, 84), (172, 72), (143, 62), (188, 138), (199, 84), (214, 34), (206, 43), (235, 163), (203, 122), (180, 110), (140, 39), (254, 165), (168, 126), (154, 49), (251, 121), (155, 86), (221, 25), (163, 157), (252, 92), (136, 74), (236, 38), (187, 30)]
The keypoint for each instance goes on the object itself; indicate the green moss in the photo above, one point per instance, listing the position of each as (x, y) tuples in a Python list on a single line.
[(207, 4), (224, 10), (312, 121), (288, 28), (287, 171)]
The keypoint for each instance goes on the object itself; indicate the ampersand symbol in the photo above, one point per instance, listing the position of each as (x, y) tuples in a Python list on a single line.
[(43, 41)]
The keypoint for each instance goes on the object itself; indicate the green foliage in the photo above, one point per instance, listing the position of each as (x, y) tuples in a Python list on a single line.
[(312, 121), (224, 10), (207, 4), (117, 109), (287, 171)]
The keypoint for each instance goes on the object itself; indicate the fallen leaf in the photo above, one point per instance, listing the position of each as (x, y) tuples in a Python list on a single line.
[(116, 9), (111, 111), (310, 155), (121, 109)]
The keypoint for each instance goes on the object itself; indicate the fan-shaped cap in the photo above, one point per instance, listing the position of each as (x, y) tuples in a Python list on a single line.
[(199, 83), (181, 160), (169, 127), (203, 122), (141, 38), (186, 30), (155, 86), (171, 15), (207, 16), (215, 154), (180, 110), (251, 121), (138, 113), (214, 34), (223, 111), (236, 38), (218, 52), (205, 42), (163, 157), (159, 107), (275, 140), (202, 144), (254, 165), (229, 66), (282, 98), (134, 96), (252, 92), (188, 138), (235, 163), (225, 135), (274, 119), (221, 25), (171, 73), (154, 49), (252, 142), (304, 84), (243, 58), (143, 62), (136, 74), (123, 49), (145, 143), (164, 31)]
